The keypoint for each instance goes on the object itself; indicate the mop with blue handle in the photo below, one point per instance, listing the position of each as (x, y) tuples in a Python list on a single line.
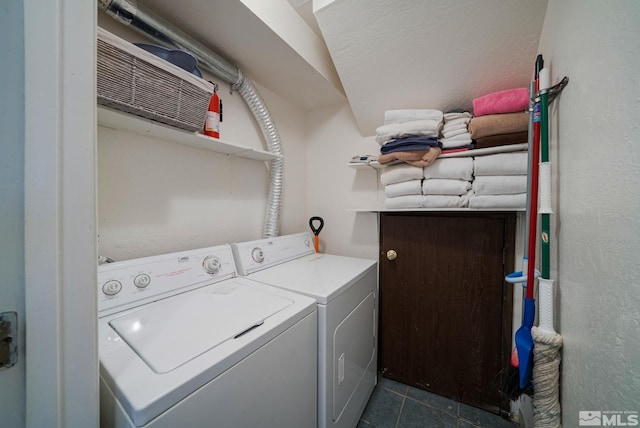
[(510, 383), (524, 341)]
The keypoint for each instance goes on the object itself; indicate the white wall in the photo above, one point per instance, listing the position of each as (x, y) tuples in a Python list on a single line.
[(594, 138), (156, 196), (333, 188)]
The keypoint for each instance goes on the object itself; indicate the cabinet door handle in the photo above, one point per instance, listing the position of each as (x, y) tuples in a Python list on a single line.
[(392, 255)]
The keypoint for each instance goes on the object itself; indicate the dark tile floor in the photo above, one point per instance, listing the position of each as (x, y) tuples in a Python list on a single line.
[(395, 405)]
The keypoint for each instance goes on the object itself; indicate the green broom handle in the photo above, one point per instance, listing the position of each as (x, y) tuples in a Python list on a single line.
[(544, 158)]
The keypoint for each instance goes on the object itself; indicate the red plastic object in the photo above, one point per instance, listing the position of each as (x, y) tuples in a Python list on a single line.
[(212, 122)]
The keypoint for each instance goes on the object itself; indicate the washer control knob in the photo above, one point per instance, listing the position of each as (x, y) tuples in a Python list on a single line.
[(111, 287), (142, 280), (211, 264), (257, 255)]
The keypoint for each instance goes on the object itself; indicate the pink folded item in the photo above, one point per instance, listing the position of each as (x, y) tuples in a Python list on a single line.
[(509, 101), (447, 151)]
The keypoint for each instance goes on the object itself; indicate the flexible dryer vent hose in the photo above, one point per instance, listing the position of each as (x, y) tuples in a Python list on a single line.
[(257, 106), (145, 21)]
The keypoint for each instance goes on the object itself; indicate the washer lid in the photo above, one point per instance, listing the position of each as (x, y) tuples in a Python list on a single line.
[(171, 333)]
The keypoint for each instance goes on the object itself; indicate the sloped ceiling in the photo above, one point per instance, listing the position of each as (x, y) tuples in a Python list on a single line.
[(266, 39), (376, 54), (440, 54)]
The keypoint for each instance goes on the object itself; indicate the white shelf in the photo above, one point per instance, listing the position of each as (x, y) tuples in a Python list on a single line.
[(474, 152), (138, 125), (360, 165), (393, 210)]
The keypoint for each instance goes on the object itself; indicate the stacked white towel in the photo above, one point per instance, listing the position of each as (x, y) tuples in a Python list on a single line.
[(447, 183), (455, 131), (407, 115), (454, 168), (491, 181), (399, 173), (403, 182), (514, 163), (392, 131), (428, 201), (500, 181), (402, 186), (406, 201), (411, 187), (403, 123)]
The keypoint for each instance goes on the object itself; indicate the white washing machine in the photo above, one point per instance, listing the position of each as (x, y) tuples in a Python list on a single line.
[(345, 289), (184, 342)]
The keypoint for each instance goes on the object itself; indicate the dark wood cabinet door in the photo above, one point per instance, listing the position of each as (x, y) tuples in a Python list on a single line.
[(445, 310)]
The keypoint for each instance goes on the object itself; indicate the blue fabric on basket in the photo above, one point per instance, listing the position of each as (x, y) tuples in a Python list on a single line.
[(410, 143), (182, 59)]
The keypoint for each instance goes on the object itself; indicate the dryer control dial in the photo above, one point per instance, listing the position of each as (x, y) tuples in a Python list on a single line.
[(111, 287), (211, 264), (142, 280), (257, 255)]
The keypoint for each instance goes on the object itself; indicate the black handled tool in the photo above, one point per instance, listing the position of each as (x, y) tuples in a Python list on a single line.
[(316, 231)]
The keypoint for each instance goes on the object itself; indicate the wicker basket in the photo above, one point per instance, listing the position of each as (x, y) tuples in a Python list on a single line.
[(137, 82)]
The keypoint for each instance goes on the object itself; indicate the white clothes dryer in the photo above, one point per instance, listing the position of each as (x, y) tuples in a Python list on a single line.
[(345, 289), (184, 342)]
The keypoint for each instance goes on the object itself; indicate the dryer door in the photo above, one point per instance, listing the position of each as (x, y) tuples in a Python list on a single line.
[(353, 353)]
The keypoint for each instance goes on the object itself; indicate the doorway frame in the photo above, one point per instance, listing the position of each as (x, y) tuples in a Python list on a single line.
[(60, 214)]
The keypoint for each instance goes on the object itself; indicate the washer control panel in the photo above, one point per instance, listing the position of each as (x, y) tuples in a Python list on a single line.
[(253, 256), (122, 285)]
